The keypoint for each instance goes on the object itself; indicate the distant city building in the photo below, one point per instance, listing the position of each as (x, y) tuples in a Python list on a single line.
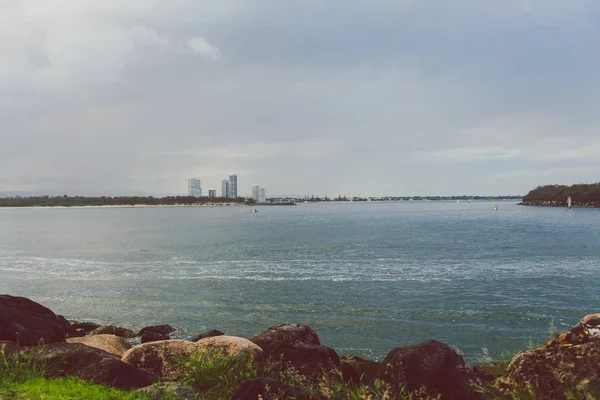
[(225, 188), (233, 186), (263, 195), (194, 187), (256, 193), (212, 193)]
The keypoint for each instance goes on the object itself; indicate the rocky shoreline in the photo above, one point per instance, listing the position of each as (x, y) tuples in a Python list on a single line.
[(565, 365), (559, 203)]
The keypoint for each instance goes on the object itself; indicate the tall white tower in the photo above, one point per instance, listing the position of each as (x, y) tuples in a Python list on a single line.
[(194, 187), (225, 188), (233, 185), (262, 198), (256, 193)]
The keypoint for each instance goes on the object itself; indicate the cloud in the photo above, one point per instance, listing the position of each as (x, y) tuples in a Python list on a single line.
[(389, 97), (469, 154), (203, 48)]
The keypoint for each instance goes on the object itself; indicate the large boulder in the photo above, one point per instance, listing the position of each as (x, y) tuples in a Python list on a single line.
[(358, 370), (286, 335), (113, 330), (90, 364), (268, 388), (431, 366), (110, 343), (158, 329), (567, 366), (308, 360), (164, 358), (231, 345), (207, 334), (28, 323), (153, 337)]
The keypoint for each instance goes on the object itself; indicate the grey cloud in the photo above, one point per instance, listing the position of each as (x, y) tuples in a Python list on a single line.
[(382, 97)]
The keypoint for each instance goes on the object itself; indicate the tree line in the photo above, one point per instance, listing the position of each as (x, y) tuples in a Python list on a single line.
[(78, 201), (581, 194)]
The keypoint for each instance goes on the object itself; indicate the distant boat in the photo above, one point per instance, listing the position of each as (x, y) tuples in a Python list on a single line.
[(254, 210), (496, 207)]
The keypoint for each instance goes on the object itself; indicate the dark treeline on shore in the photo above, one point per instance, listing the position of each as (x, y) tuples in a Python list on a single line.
[(78, 201), (582, 195), (416, 198)]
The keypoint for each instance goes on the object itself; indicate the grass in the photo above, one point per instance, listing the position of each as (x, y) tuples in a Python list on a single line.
[(331, 386), (217, 375), (64, 389), (22, 377)]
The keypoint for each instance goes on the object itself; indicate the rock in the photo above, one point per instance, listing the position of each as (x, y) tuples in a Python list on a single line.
[(71, 332), (309, 360), (28, 323), (159, 329), (153, 337), (164, 358), (113, 330), (232, 345), (286, 335), (8, 348), (358, 370), (433, 366), (267, 388), (549, 373), (170, 390), (78, 333), (591, 320), (566, 366), (92, 365), (110, 343), (207, 334), (85, 326), (350, 374)]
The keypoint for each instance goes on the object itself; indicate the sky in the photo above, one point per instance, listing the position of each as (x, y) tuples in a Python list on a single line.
[(362, 98)]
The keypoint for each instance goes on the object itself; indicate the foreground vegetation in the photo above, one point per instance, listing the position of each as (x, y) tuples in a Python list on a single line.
[(556, 195), (22, 377), (79, 201), (212, 372)]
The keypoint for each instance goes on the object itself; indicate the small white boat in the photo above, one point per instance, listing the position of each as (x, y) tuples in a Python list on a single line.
[(254, 210)]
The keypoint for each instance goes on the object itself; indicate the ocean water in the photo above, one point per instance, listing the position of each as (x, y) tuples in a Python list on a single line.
[(367, 277)]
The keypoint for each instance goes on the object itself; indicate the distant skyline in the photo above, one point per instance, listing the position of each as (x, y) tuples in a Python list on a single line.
[(385, 97)]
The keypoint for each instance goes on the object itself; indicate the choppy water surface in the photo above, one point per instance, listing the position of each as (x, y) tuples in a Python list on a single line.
[(366, 277)]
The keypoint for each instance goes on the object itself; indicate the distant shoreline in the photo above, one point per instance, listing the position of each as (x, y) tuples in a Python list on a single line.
[(560, 204), (126, 206)]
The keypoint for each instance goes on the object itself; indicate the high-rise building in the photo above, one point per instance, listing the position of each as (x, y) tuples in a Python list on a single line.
[(262, 198), (233, 186), (225, 188), (256, 193), (194, 187), (212, 193)]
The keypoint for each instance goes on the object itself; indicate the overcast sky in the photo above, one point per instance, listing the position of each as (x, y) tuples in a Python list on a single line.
[(372, 97)]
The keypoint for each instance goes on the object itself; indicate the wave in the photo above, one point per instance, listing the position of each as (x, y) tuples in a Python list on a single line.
[(334, 270)]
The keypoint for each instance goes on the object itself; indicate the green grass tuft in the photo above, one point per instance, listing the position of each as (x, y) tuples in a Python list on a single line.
[(69, 388), (216, 374), (22, 377)]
